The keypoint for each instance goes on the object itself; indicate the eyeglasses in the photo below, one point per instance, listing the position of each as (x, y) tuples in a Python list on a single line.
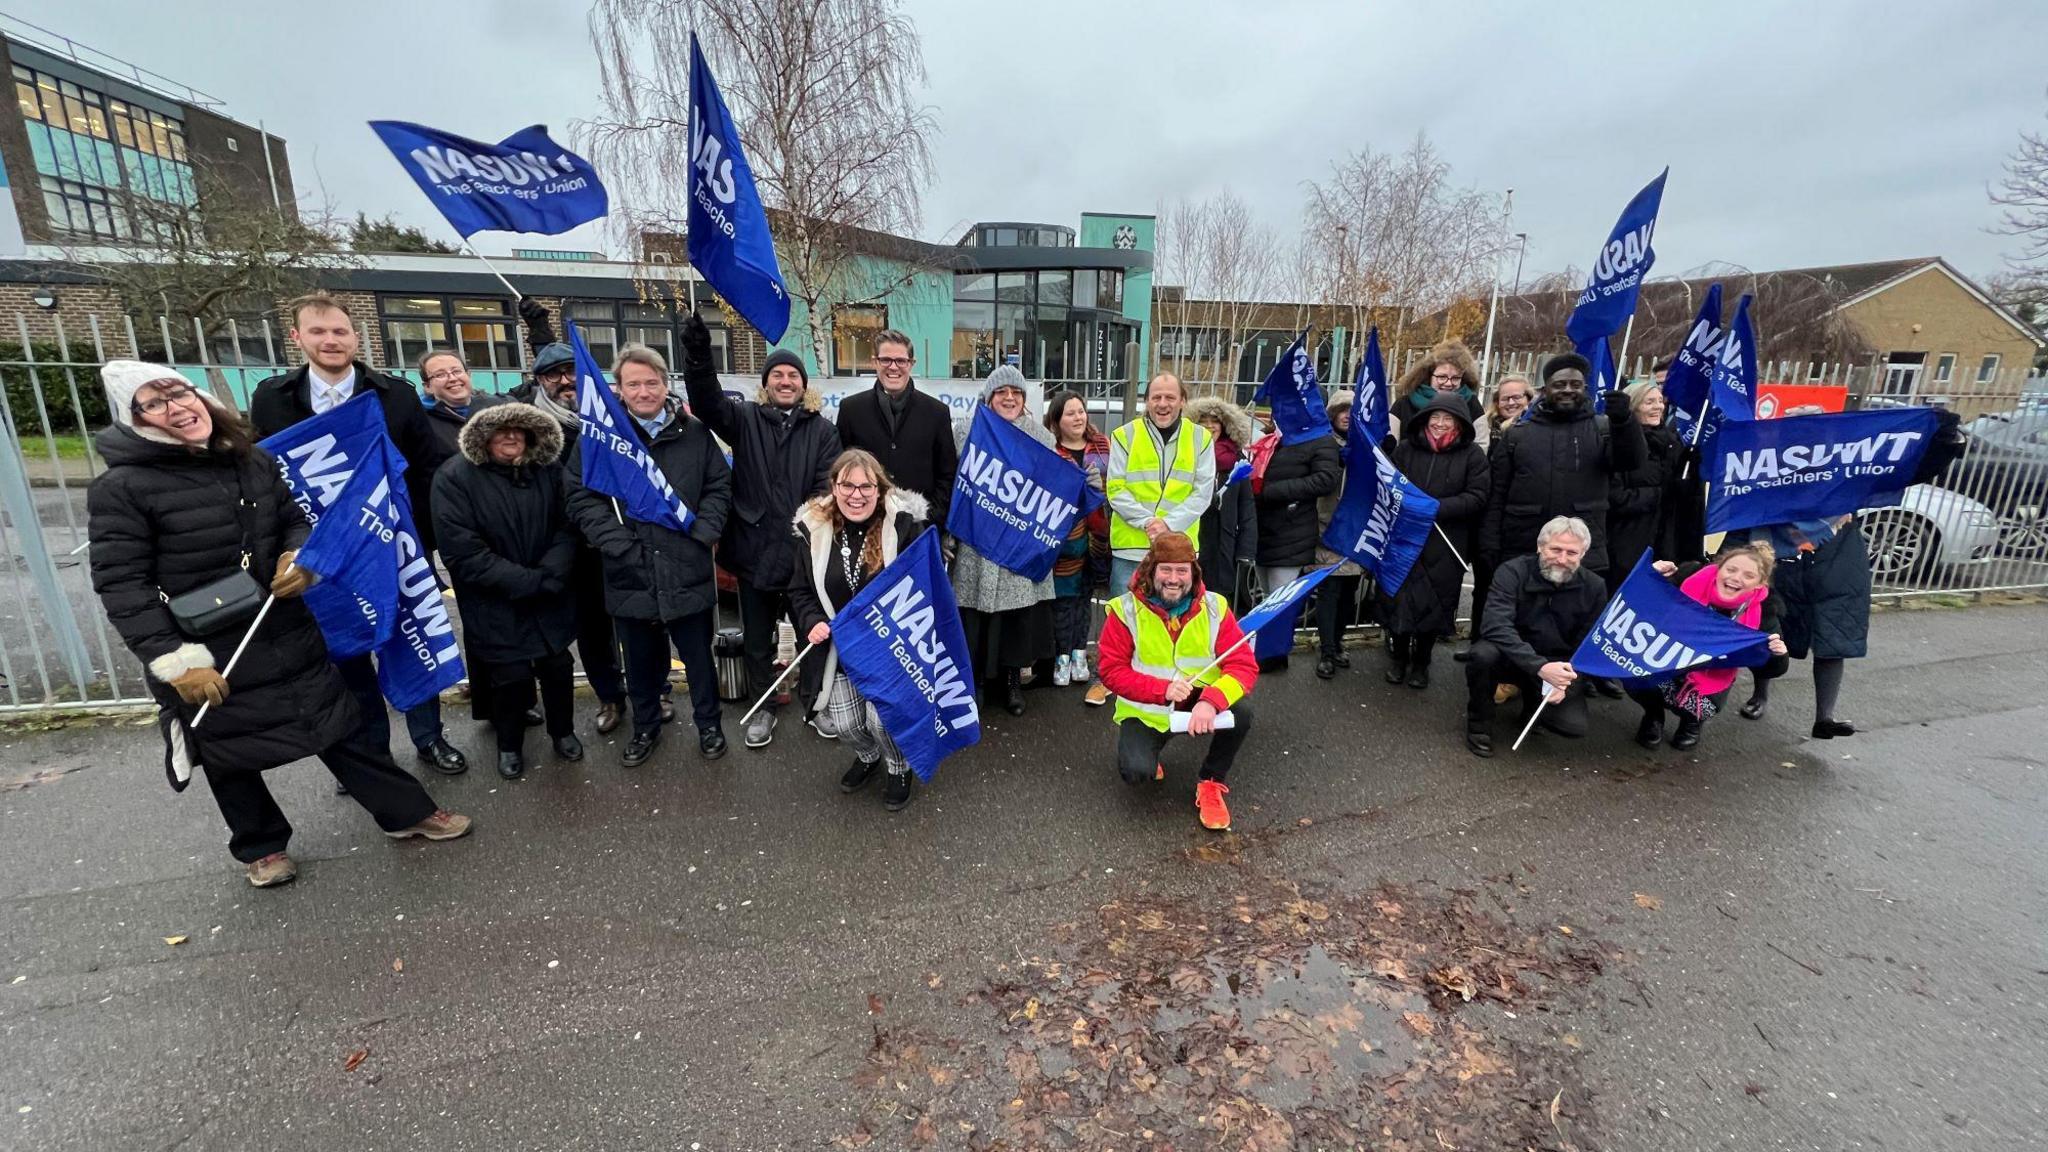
[(565, 372), (856, 489), (155, 405), (446, 374), (1440, 378), (893, 361)]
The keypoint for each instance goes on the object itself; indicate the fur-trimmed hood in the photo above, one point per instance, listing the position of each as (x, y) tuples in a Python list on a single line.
[(543, 433), (1237, 423), (810, 402), (1447, 352)]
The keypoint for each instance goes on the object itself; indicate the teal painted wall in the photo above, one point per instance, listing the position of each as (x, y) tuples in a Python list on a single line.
[(921, 308), (1099, 230)]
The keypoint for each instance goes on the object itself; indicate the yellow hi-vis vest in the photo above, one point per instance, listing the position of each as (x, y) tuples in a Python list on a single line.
[(1155, 653), (1156, 483)]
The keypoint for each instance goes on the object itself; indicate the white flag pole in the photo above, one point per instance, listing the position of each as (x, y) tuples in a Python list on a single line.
[(793, 665), (493, 269), (1540, 706), (1453, 547), (242, 647)]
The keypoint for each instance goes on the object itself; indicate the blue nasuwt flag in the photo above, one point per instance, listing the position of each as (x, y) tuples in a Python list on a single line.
[(523, 183), (1239, 472), (1731, 382), (1686, 384), (1275, 617), (612, 458), (900, 642), (1369, 402), (1295, 397), (1652, 631), (1809, 467), (728, 230), (1015, 500), (1382, 520), (316, 458), (368, 545), (1609, 298)]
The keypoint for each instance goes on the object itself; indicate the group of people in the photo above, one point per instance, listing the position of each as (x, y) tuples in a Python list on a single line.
[(1547, 501)]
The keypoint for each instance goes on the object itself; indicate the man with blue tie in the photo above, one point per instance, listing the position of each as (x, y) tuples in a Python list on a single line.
[(332, 376)]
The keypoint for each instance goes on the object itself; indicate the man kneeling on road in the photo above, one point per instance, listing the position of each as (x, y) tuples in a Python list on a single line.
[(1539, 608), (1158, 653)]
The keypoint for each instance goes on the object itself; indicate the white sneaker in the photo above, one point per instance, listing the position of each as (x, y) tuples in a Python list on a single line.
[(1060, 676), (1079, 666)]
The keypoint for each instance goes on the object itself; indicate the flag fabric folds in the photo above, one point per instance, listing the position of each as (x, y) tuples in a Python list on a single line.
[(523, 183), (377, 591), (1609, 298), (1382, 520), (1731, 381), (729, 243), (611, 458), (1276, 616), (1686, 384), (1808, 467), (1014, 499), (316, 458), (1295, 397), (1652, 631), (1369, 404), (901, 643)]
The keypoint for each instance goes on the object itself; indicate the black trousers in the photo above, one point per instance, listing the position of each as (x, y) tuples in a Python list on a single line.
[(511, 694), (762, 611), (1489, 669), (646, 644), (597, 645), (1336, 608), (257, 826), (422, 722), (1138, 746)]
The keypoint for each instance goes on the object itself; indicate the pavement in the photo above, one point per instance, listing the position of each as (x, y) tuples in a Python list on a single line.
[(1776, 943)]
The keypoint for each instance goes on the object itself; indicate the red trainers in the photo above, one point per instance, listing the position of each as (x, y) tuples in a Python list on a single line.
[(1209, 802), (1159, 772)]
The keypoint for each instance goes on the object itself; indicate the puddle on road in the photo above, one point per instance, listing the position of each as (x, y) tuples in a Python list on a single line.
[(1255, 1015)]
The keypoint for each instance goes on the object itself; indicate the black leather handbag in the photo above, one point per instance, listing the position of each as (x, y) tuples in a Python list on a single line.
[(229, 602)]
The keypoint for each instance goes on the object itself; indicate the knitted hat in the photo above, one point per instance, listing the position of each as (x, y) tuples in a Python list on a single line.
[(124, 378), (551, 357), (784, 358), (1562, 361), (1168, 548)]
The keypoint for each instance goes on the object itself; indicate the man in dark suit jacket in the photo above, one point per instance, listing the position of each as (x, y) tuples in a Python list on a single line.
[(909, 432), (332, 376)]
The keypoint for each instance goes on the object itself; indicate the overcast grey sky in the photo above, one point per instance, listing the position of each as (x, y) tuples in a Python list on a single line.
[(1827, 131)]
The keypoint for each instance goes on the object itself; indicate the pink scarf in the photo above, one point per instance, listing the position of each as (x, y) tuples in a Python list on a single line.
[(1749, 613)]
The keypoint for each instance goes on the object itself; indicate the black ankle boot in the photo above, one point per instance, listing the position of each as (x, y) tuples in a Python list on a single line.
[(1013, 691), (1650, 732), (1688, 734)]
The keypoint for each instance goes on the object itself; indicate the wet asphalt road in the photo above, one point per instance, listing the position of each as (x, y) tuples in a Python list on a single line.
[(1849, 948)]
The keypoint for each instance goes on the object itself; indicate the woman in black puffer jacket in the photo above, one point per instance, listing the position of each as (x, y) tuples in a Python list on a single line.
[(1440, 455), (1640, 499), (1294, 478), (186, 501)]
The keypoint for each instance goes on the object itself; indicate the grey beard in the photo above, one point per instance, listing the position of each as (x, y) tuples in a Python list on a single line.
[(1556, 573)]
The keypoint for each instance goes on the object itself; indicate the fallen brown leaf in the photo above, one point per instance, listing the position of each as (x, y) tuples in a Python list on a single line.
[(1647, 902), (1422, 1024), (874, 1004), (1554, 1102), (1455, 980), (398, 964), (174, 941), (355, 1059), (935, 980), (1571, 1040), (1565, 928), (1305, 822)]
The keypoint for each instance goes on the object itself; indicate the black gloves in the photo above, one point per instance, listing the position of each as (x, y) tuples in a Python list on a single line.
[(696, 341), (1618, 401), (532, 311)]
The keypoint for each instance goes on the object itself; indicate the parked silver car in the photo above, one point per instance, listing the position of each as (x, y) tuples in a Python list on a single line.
[(1930, 529)]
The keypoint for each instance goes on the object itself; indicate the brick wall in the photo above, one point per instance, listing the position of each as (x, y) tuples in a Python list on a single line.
[(1932, 314)]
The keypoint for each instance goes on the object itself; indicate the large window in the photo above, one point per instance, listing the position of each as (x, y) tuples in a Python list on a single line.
[(854, 328), (1046, 321), (608, 325), (482, 330), (93, 151)]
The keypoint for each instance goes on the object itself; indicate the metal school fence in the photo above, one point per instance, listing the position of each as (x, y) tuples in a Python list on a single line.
[(1980, 527)]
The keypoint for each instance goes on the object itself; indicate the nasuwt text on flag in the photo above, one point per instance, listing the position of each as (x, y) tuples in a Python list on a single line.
[(1015, 500), (728, 236), (1650, 630), (1290, 389), (610, 457), (1808, 467), (1383, 520), (900, 641), (523, 183)]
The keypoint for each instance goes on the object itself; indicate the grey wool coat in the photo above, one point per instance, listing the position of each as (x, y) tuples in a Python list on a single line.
[(980, 584)]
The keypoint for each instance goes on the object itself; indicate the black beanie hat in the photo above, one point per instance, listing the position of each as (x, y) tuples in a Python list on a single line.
[(779, 358), (1565, 360)]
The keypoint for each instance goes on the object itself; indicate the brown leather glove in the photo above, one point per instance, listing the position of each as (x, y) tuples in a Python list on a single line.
[(289, 581), (202, 686)]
